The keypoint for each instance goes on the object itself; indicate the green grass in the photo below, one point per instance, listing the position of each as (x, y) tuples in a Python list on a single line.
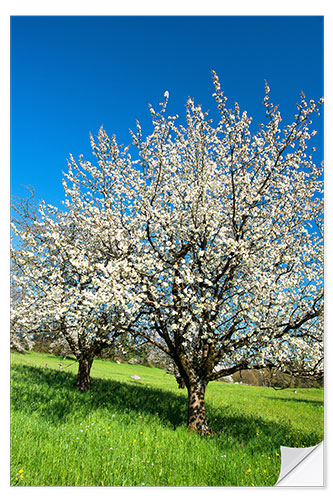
[(133, 433)]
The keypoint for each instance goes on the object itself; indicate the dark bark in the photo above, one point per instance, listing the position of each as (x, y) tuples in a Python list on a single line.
[(196, 417), (83, 375)]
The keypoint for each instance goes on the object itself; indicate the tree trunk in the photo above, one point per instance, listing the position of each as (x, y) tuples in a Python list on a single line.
[(196, 419), (83, 375)]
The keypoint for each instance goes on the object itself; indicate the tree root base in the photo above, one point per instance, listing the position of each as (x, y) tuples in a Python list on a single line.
[(203, 429)]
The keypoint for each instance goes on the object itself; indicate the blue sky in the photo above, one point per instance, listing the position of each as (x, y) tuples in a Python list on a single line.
[(70, 75)]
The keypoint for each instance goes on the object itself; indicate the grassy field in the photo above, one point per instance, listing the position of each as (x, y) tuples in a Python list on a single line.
[(133, 433)]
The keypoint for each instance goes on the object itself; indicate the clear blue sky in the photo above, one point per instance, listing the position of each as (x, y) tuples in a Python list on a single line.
[(70, 75)]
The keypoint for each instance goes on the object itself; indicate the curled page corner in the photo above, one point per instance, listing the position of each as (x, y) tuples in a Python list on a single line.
[(302, 466)]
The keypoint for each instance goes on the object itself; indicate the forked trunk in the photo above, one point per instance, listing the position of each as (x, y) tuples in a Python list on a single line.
[(196, 419), (83, 375)]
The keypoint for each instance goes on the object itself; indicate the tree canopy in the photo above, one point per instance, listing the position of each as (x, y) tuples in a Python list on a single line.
[(207, 241)]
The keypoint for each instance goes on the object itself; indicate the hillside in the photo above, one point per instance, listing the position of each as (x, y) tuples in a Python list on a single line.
[(133, 433)]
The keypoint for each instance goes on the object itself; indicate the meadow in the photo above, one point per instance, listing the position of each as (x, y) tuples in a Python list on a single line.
[(126, 432)]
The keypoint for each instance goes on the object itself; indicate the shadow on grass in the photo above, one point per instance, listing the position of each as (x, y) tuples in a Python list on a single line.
[(54, 393), (297, 400), (53, 396)]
